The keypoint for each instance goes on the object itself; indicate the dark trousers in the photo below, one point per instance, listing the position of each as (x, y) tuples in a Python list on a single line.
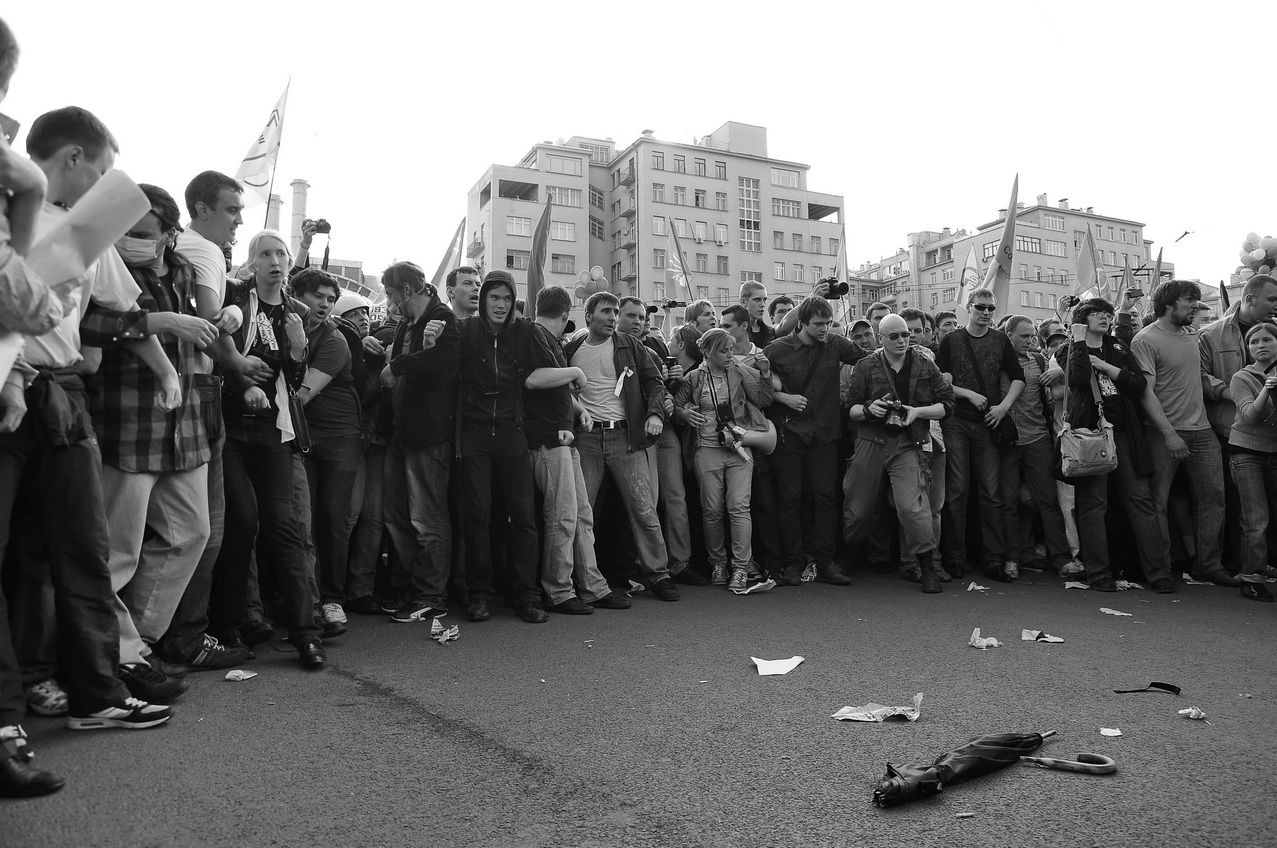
[(811, 468), (64, 485), (29, 590), (370, 527), (259, 500), (762, 509), (332, 466), (966, 440), (185, 635), (1091, 496), (500, 460)]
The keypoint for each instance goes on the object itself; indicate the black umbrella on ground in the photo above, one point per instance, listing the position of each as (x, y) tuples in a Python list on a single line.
[(982, 755)]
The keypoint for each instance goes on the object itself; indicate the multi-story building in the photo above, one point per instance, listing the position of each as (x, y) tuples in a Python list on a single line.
[(739, 215), (926, 274)]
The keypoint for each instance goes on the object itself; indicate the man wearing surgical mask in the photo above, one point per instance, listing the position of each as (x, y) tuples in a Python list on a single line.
[(154, 462)]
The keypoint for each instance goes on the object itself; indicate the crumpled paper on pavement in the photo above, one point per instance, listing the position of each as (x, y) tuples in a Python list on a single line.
[(982, 642), (1110, 731), (976, 587), (1190, 581), (1108, 611), (877, 712), (1194, 713), (1128, 584), (444, 635), (1038, 636), (238, 675), (760, 586), (769, 667), (1074, 584)]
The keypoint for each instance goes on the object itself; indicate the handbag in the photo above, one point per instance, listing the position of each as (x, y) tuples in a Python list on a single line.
[(1004, 432), (1084, 452), (301, 430)]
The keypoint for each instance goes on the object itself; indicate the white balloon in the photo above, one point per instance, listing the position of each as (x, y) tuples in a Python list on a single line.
[(1258, 253)]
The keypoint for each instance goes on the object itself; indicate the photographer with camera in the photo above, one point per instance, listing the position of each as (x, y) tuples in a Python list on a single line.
[(894, 393), (806, 367), (715, 399), (310, 228)]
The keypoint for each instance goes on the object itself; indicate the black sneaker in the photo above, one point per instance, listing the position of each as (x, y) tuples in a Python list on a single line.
[(611, 601), (131, 715), (254, 634), (417, 611), (691, 577), (147, 684), (214, 655), (367, 605), (572, 606), (533, 613), (167, 669), (665, 589), (478, 611)]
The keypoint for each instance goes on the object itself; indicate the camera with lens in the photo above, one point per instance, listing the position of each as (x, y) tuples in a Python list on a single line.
[(730, 434), (894, 419), (675, 304), (836, 289), (322, 226)]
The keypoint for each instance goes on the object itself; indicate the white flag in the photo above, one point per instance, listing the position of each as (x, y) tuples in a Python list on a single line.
[(258, 167)]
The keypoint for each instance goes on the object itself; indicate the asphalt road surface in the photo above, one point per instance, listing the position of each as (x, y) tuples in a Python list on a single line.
[(650, 727)]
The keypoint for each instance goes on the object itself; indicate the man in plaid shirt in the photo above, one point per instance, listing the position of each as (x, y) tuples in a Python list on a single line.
[(154, 462)]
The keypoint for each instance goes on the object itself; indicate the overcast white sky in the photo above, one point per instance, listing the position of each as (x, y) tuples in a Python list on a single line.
[(919, 113)]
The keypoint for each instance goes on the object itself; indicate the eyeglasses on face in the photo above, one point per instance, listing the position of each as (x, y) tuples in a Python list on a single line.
[(891, 337), (984, 307)]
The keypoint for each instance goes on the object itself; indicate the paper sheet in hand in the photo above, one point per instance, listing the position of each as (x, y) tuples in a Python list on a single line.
[(96, 222), (767, 667), (877, 712)]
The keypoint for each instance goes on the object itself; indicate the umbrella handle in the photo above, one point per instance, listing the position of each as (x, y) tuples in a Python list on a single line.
[(1083, 763)]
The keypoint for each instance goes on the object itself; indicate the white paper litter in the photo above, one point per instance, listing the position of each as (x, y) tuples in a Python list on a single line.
[(1038, 636), (1108, 611), (1074, 584), (1110, 731), (877, 712), (982, 642), (1189, 581), (1194, 713), (238, 675), (760, 586), (636, 587), (976, 587), (444, 635), (769, 667), (1128, 584)]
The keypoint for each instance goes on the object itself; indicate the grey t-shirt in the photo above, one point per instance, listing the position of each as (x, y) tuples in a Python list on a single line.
[(1173, 364), (599, 395)]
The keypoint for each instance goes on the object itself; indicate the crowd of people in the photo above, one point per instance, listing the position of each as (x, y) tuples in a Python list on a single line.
[(195, 457)]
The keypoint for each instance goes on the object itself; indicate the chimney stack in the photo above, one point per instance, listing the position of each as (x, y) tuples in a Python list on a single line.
[(300, 187), (272, 212), (1064, 203), (1043, 200)]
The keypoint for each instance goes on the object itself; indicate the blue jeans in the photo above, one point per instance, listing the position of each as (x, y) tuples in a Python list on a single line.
[(906, 471), (332, 466), (671, 497), (1206, 478), (725, 481), (606, 452), (568, 547), (962, 440), (1256, 478), (415, 504)]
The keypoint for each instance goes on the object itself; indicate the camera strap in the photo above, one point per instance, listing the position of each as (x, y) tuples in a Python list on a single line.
[(713, 395)]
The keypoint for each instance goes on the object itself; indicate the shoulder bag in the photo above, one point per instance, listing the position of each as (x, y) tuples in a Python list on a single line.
[(1084, 452)]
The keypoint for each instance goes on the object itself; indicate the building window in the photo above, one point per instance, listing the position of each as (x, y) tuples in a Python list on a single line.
[(563, 164), (817, 271), (1050, 277), (1024, 298), (935, 299), (784, 177), (702, 292), (698, 230), (720, 233), (1037, 299), (751, 212), (778, 271), (562, 263), (1053, 222), (751, 276), (658, 258), (680, 196), (798, 273), (1112, 257), (1056, 248), (1028, 244), (596, 197), (658, 291), (658, 192), (680, 227), (1111, 238), (702, 263), (990, 248), (680, 164), (700, 167), (517, 260), (658, 225), (700, 198), (833, 247), (778, 240), (560, 196), (1037, 273), (1123, 235), (786, 208), (658, 160), (1024, 272), (798, 241), (1079, 238), (720, 170), (946, 275), (948, 253), (932, 280), (515, 226), (720, 201), (950, 295), (596, 227), (815, 244), (562, 231), (721, 265), (1051, 301)]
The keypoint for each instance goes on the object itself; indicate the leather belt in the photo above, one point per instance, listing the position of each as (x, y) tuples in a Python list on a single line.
[(609, 425)]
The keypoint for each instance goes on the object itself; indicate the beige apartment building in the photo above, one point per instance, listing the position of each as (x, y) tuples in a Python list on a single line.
[(739, 215), (1048, 237)]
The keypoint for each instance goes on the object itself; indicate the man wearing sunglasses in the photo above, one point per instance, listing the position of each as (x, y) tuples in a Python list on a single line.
[(975, 359)]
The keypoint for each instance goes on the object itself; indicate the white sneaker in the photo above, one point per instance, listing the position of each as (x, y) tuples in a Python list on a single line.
[(718, 574), (132, 715), (333, 613)]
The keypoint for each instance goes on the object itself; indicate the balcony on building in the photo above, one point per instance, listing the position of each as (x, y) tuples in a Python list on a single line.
[(475, 249), (822, 207), (630, 209), (515, 190), (625, 240), (627, 176), (630, 274)]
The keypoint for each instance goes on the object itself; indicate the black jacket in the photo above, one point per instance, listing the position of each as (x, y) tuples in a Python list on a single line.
[(425, 392)]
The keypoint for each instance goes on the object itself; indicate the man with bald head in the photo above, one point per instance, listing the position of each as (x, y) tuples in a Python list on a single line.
[(894, 393)]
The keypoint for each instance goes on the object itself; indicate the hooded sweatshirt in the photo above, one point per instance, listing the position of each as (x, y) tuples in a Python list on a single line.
[(495, 365)]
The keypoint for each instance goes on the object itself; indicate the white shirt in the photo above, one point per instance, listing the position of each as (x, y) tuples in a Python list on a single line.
[(599, 395), (209, 264), (107, 281)]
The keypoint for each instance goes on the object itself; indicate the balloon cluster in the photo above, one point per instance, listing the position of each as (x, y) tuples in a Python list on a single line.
[(1258, 256), (591, 281)]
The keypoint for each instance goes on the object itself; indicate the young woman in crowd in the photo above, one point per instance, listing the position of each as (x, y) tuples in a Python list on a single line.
[(1252, 454), (701, 315)]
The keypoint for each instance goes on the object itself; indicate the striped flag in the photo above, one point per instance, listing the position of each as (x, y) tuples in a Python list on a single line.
[(676, 260), (998, 278), (536, 264), (258, 168), (1090, 267), (450, 258)]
